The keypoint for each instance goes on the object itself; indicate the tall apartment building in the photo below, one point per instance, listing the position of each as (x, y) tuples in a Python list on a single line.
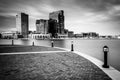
[(59, 16), (22, 24), (42, 26)]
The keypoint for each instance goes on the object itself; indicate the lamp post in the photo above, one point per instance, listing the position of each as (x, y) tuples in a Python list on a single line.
[(12, 42), (105, 50), (52, 44), (33, 43), (72, 46)]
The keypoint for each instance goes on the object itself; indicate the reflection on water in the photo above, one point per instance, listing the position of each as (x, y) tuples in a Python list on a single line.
[(90, 47)]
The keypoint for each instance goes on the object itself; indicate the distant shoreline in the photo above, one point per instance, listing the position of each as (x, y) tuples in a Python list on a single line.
[(60, 39), (23, 48)]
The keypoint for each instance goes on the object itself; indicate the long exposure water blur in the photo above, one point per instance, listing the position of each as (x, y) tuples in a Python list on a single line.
[(91, 47)]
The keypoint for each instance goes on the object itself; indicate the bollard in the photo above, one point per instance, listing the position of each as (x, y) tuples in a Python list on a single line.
[(52, 44), (12, 42), (105, 50), (72, 46), (33, 44)]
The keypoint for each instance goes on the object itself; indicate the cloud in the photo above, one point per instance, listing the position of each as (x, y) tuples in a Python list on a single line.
[(7, 22), (87, 13), (108, 10), (47, 8), (97, 5)]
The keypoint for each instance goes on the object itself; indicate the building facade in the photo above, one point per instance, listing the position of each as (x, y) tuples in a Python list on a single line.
[(39, 36), (9, 35), (53, 28), (90, 35), (70, 34), (59, 17), (22, 24), (42, 26)]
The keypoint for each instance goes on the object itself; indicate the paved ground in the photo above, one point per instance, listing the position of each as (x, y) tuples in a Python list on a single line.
[(49, 66)]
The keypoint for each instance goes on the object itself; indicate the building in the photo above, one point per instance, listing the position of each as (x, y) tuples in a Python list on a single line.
[(78, 36), (9, 35), (93, 35), (66, 31), (39, 36), (70, 34), (59, 16), (52, 28), (22, 24), (42, 26), (90, 35)]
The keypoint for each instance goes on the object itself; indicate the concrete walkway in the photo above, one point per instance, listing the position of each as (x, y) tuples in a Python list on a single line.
[(111, 72)]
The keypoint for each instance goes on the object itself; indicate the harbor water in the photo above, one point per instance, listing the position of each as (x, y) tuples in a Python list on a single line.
[(93, 48)]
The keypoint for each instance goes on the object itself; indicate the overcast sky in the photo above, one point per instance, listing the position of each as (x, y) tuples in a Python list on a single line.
[(101, 16)]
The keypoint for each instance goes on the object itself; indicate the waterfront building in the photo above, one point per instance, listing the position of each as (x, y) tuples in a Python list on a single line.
[(62, 35), (78, 35), (22, 24), (90, 35), (70, 34), (59, 17), (66, 31), (39, 36), (85, 35), (42, 26), (52, 28), (9, 35), (93, 35)]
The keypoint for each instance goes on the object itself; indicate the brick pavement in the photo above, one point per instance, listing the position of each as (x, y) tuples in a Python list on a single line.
[(49, 66)]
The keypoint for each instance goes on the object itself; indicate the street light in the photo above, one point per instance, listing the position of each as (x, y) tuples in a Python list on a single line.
[(33, 43), (52, 44), (12, 42), (105, 50), (72, 46)]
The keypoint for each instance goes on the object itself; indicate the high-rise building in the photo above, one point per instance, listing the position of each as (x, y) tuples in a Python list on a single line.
[(42, 26), (53, 28), (22, 24), (59, 16)]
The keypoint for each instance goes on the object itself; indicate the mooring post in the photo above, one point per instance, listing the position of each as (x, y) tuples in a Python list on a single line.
[(105, 50)]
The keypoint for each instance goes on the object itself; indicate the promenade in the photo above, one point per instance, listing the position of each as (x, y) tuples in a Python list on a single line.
[(46, 63)]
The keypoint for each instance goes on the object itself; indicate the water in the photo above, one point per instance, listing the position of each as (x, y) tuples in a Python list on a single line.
[(91, 47)]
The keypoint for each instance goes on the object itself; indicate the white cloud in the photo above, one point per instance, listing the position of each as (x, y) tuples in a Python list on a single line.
[(114, 10), (47, 8), (78, 16)]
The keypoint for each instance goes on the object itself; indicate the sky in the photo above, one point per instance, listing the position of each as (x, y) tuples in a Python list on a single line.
[(101, 16)]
